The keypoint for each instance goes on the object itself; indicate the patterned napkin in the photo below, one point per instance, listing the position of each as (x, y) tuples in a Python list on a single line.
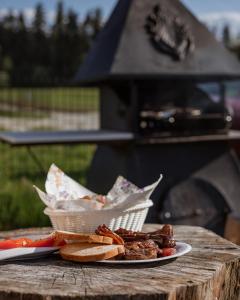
[(63, 193)]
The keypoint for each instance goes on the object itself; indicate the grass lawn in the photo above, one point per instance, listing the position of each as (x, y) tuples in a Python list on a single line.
[(57, 98), (24, 114), (20, 206)]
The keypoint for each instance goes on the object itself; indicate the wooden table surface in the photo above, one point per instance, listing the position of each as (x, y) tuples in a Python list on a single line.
[(210, 271)]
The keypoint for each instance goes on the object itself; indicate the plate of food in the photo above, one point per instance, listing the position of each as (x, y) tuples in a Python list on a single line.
[(124, 246), (104, 246)]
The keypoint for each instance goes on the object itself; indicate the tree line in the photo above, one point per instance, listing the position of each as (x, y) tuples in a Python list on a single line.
[(40, 54), (43, 54)]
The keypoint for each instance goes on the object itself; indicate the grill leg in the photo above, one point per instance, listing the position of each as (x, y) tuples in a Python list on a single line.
[(36, 160)]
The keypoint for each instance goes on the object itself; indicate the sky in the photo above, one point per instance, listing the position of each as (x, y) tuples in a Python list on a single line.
[(212, 12)]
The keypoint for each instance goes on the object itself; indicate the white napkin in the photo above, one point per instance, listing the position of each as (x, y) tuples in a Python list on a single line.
[(62, 192), (64, 187), (125, 194)]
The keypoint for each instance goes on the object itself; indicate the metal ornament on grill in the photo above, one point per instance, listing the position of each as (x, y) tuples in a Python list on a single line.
[(169, 34)]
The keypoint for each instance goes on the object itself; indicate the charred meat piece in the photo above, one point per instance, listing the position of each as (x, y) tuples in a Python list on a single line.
[(163, 241), (105, 231), (129, 235), (163, 237), (145, 249), (141, 244), (140, 254), (122, 231), (167, 229)]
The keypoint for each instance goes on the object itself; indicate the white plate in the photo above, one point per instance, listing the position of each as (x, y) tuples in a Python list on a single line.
[(26, 253), (182, 248)]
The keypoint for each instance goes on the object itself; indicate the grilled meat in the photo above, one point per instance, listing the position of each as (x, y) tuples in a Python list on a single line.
[(164, 241), (129, 235), (167, 229), (105, 231), (145, 249), (163, 237), (140, 245)]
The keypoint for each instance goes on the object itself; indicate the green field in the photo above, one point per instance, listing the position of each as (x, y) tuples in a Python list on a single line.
[(20, 206), (62, 99)]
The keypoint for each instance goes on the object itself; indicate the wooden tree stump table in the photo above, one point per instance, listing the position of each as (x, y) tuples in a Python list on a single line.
[(210, 271)]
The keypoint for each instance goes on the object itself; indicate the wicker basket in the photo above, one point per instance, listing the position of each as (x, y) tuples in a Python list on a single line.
[(88, 221)]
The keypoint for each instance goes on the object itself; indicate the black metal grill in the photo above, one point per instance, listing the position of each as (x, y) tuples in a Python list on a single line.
[(186, 109), (160, 73)]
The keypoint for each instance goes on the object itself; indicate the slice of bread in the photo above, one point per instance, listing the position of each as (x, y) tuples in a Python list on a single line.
[(83, 237), (84, 252)]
